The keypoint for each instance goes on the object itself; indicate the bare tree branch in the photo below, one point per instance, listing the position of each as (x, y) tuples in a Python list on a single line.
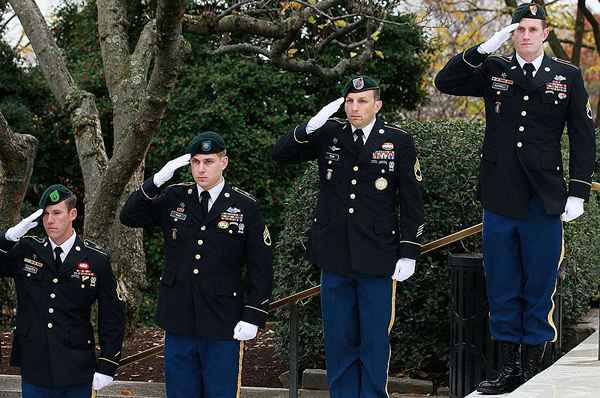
[(235, 7), (84, 114), (143, 55), (241, 48), (337, 34), (205, 24), (5, 24), (112, 31), (132, 149)]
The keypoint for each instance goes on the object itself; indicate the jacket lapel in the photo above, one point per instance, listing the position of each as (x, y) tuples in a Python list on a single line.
[(374, 141), (74, 258), (222, 202), (44, 252), (347, 139), (516, 74), (544, 74)]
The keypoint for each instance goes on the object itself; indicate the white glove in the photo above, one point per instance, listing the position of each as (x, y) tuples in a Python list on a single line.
[(405, 267), (15, 233), (573, 209), (244, 331), (325, 113), (101, 381), (166, 173), (494, 42)]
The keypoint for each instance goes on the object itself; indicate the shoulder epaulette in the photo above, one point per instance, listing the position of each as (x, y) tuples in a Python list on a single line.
[(183, 184), (39, 240), (504, 58), (564, 62), (91, 245), (242, 192), (338, 119), (391, 126)]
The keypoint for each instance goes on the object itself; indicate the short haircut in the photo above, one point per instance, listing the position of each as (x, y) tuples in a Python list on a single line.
[(71, 202)]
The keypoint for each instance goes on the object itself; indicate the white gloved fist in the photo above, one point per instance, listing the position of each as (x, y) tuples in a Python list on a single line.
[(244, 331), (15, 233), (325, 113), (405, 268), (166, 173), (101, 381), (494, 42), (573, 209)]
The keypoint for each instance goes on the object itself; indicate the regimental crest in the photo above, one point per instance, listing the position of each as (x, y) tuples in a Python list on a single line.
[(533, 9), (588, 109), (358, 83), (206, 146), (54, 196)]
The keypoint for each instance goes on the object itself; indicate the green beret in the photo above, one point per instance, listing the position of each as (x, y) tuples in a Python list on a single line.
[(206, 143), (54, 194), (359, 84), (529, 10)]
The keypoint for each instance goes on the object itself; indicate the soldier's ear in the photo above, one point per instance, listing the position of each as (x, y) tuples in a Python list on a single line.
[(73, 214), (378, 105)]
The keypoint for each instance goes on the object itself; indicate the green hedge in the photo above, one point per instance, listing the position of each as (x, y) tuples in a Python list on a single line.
[(449, 157)]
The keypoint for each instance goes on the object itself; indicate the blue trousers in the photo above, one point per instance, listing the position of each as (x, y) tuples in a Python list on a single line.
[(521, 260), (358, 315), (80, 391), (202, 368)]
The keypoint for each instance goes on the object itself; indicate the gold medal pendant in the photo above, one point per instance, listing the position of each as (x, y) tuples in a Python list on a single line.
[(381, 183)]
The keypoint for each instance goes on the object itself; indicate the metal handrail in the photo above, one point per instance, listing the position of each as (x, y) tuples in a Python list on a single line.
[(315, 290)]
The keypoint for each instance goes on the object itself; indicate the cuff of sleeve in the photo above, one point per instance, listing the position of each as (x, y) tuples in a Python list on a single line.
[(580, 189), (300, 134), (254, 315), (473, 57), (149, 190), (5, 244), (106, 366), (409, 249)]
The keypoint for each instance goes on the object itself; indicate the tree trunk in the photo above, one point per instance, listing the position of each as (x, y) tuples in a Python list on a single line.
[(17, 155)]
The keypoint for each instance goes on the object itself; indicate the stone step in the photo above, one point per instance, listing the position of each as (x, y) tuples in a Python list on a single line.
[(10, 387)]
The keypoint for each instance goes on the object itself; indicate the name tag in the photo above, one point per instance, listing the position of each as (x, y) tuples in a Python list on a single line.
[(178, 216)]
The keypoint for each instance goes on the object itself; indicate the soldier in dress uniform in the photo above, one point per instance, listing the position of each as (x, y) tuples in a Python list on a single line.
[(367, 170), (58, 278), (529, 97), (212, 232)]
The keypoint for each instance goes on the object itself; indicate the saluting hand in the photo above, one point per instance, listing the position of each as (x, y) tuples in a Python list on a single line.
[(244, 331), (494, 42), (405, 268), (15, 233), (573, 209), (325, 113), (166, 173)]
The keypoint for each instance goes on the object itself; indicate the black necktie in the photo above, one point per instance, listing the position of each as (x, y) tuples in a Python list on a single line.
[(204, 197), (359, 143), (528, 68), (57, 260)]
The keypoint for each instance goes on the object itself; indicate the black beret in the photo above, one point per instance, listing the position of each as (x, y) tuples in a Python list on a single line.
[(359, 84), (54, 194), (206, 143), (529, 10)]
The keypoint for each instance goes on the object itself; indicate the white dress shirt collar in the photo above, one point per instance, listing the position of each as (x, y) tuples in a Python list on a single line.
[(214, 192), (366, 130), (537, 63), (66, 246)]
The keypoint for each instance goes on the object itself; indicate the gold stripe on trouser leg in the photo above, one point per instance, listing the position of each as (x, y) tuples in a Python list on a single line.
[(390, 326), (239, 382), (551, 312)]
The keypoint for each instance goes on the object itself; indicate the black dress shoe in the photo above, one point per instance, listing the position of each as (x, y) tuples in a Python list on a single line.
[(533, 357), (510, 376)]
